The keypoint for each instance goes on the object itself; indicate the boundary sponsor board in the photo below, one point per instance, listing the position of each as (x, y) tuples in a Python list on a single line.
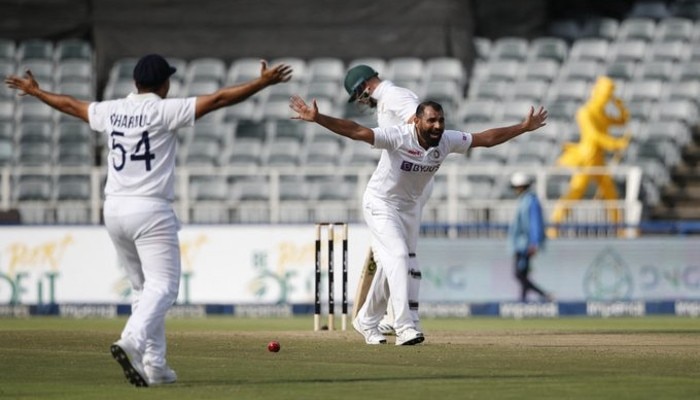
[(686, 308), (220, 264), (274, 265), (481, 270)]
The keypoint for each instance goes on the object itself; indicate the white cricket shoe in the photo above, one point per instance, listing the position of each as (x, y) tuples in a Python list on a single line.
[(409, 337), (130, 361), (160, 375), (385, 327), (372, 335)]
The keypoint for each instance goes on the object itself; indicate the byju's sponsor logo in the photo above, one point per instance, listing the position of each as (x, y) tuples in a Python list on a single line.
[(411, 167)]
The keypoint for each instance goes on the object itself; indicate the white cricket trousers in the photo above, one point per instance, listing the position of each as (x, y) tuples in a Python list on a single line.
[(144, 233), (415, 276), (394, 237)]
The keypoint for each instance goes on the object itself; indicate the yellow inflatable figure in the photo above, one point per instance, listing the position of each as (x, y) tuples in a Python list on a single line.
[(595, 141)]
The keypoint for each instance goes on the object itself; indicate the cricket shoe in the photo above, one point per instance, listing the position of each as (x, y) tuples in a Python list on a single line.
[(409, 337), (160, 375), (130, 361), (372, 335), (385, 328)]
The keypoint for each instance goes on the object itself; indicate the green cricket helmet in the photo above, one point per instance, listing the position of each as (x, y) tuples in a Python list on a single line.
[(355, 77)]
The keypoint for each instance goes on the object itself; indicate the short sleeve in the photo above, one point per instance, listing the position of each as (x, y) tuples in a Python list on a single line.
[(459, 142), (97, 116), (179, 112), (387, 138)]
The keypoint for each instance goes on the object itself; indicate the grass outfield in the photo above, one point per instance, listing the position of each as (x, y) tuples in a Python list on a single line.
[(475, 358)]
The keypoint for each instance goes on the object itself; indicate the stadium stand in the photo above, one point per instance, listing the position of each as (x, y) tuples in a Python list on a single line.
[(652, 54)]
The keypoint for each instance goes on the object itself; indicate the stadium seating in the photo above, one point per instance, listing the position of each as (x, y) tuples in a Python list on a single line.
[(360, 154), (284, 152), (503, 69), (73, 187), (600, 28), (488, 90), (73, 49), (549, 48), (654, 60), (540, 70), (326, 69), (245, 152), (661, 70), (299, 66), (330, 91), (324, 153), (378, 64), (531, 90), (441, 69), (594, 49), (206, 69), (477, 110), (286, 128), (672, 29), (251, 128), (75, 154), (446, 93), (6, 152), (510, 48), (35, 49), (8, 50), (7, 110), (584, 70), (637, 28)]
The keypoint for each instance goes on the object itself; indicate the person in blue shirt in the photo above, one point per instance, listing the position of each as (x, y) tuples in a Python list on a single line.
[(526, 234)]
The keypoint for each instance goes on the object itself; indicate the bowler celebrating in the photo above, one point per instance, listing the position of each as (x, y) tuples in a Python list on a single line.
[(412, 155)]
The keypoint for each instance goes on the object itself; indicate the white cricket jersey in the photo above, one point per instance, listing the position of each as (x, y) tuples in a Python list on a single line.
[(395, 105), (405, 168), (142, 143)]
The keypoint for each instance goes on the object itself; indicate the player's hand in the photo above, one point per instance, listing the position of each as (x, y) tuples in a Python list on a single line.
[(276, 74), (27, 84), (535, 120), (303, 110)]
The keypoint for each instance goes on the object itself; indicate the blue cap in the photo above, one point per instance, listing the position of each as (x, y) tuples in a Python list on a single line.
[(152, 70)]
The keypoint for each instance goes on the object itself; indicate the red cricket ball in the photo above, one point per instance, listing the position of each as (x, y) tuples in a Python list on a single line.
[(273, 346)]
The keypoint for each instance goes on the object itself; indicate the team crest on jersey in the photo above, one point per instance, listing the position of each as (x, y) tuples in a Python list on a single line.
[(436, 154)]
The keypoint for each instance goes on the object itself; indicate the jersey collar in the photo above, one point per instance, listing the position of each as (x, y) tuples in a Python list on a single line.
[(142, 96)]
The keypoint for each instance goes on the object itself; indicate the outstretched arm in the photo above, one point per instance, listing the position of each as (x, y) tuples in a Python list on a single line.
[(496, 136), (235, 94), (342, 127), (65, 104)]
